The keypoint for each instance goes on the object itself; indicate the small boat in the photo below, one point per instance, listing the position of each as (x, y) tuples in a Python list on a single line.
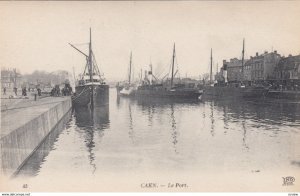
[(91, 88), (128, 88)]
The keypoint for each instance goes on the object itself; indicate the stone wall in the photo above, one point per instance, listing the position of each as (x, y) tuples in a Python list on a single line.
[(20, 143)]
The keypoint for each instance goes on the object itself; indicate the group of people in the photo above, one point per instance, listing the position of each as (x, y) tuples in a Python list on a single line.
[(66, 91), (24, 91)]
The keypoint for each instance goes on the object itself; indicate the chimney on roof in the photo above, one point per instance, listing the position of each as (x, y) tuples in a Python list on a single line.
[(256, 53), (224, 62), (275, 51), (290, 55), (266, 52)]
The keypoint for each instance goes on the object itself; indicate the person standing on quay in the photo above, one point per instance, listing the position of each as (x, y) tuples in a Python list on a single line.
[(4, 91), (15, 90), (24, 93)]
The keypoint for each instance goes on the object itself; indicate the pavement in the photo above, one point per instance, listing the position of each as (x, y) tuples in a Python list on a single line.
[(19, 111), (10, 100)]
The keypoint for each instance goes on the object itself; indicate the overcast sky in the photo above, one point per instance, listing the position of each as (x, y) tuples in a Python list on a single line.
[(35, 35)]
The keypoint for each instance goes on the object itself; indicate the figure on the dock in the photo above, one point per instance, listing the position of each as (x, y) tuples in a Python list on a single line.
[(15, 90), (67, 90), (24, 92), (39, 92), (4, 91), (55, 92)]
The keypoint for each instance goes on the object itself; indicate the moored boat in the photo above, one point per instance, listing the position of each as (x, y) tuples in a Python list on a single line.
[(284, 94), (91, 88), (128, 88), (168, 89), (238, 90)]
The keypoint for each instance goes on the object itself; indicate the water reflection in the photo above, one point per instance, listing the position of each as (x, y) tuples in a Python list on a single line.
[(174, 133), (225, 118), (166, 111), (131, 131), (244, 127), (146, 134), (212, 128), (267, 113), (93, 121), (96, 118)]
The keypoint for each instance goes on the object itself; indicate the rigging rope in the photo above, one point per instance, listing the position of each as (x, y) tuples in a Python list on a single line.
[(80, 93), (80, 44)]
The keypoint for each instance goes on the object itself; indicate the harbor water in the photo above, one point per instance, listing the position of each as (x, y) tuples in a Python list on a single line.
[(161, 141)]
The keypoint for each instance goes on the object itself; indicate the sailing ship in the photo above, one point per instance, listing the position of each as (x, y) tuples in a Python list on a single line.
[(91, 88), (168, 89), (223, 90), (129, 87)]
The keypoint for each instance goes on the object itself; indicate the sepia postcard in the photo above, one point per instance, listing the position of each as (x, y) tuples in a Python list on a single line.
[(150, 96)]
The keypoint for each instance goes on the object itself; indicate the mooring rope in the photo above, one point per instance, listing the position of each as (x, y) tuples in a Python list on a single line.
[(80, 93)]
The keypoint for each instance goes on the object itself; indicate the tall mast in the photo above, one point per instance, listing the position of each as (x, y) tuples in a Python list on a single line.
[(173, 59), (91, 70), (243, 53), (211, 62), (129, 77), (74, 75), (90, 60)]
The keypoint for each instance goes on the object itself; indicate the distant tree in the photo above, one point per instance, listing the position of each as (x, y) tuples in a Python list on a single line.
[(45, 78)]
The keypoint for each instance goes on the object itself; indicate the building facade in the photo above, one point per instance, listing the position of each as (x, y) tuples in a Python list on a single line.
[(261, 67), (288, 68), (235, 69), (10, 78)]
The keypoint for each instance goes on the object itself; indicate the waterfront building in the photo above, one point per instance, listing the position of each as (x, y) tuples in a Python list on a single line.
[(10, 78), (247, 71), (234, 69), (262, 66), (288, 68)]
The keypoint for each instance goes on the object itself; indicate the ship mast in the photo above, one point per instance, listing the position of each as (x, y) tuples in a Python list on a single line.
[(243, 53), (129, 77), (91, 70), (173, 59), (211, 62)]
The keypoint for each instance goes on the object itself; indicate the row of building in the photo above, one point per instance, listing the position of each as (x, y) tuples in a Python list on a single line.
[(12, 78), (262, 67)]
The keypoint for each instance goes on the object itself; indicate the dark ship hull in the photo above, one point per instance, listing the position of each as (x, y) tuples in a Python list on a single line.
[(284, 94), (227, 92), (152, 91), (83, 95)]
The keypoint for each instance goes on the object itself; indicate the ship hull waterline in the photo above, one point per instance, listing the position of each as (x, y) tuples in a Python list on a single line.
[(169, 94), (83, 96)]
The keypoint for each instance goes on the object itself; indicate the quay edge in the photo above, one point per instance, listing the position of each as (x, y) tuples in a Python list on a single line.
[(19, 138)]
